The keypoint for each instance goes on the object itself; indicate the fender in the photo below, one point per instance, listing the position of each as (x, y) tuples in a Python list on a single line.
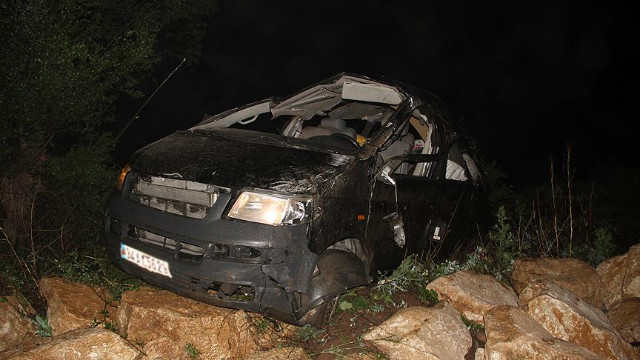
[(336, 272)]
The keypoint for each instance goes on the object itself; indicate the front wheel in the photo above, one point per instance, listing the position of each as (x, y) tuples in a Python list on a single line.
[(320, 315), (336, 272)]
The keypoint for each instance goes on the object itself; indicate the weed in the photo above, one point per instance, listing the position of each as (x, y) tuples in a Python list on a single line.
[(3, 299), (444, 268), (335, 350), (262, 324), (429, 296), (89, 265), (42, 326), (345, 306), (505, 249), (110, 326), (411, 273), (191, 350), (351, 302), (603, 246), (471, 325), (308, 332)]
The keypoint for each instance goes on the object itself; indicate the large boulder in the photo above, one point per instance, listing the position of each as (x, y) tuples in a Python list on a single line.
[(15, 325), (164, 323), (625, 317), (573, 274), (621, 276), (72, 305), (567, 317), (81, 344), (422, 333), (473, 294), (513, 334)]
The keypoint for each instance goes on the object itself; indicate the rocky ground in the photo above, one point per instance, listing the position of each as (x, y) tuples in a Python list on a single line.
[(557, 309)]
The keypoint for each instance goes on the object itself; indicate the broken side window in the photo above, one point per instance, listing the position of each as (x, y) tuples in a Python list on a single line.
[(460, 165)]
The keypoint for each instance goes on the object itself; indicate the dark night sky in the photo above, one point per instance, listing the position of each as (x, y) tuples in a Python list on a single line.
[(526, 78)]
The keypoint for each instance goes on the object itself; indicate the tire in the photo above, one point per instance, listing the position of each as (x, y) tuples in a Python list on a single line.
[(336, 272), (321, 315)]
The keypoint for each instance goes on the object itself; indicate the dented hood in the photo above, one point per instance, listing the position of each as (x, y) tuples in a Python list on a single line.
[(240, 159)]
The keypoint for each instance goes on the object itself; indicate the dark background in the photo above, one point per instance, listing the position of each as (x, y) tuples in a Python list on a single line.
[(527, 79)]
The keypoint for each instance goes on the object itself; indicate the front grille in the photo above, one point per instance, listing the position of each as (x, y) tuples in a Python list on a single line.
[(184, 249), (181, 197)]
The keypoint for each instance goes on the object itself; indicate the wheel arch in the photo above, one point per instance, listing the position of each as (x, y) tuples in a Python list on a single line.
[(336, 271)]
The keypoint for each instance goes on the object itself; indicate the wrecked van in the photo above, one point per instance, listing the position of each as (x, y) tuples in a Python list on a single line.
[(281, 205)]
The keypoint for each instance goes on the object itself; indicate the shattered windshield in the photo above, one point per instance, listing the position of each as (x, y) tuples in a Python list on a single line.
[(343, 112), (322, 130)]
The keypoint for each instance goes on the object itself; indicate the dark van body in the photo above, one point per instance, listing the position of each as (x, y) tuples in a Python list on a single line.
[(281, 205)]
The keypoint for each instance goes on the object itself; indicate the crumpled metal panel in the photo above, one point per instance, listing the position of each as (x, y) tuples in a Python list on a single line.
[(245, 160), (324, 96)]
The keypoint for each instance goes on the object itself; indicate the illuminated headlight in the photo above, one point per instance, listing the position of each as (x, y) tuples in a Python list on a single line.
[(270, 209)]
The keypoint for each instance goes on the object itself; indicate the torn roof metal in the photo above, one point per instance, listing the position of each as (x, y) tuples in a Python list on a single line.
[(324, 96), (321, 98)]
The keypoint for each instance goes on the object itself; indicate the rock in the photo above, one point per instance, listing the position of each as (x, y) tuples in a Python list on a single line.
[(473, 294), (164, 323), (513, 334), (81, 344), (15, 326), (569, 318), (621, 276), (72, 305), (573, 274), (422, 333), (284, 353), (479, 354), (625, 317)]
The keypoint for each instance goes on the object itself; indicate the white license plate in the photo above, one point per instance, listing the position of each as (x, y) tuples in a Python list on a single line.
[(144, 260)]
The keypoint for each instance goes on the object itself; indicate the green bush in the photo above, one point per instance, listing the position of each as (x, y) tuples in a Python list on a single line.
[(409, 275), (64, 68)]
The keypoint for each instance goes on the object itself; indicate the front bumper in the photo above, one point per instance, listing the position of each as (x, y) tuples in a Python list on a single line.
[(222, 262)]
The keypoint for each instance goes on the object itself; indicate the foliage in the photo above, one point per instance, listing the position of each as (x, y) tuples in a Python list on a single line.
[(86, 168), (110, 326), (603, 247), (410, 274), (471, 325), (351, 302), (428, 296), (262, 324), (42, 326), (564, 218), (504, 246), (308, 332), (64, 68), (89, 265), (191, 350)]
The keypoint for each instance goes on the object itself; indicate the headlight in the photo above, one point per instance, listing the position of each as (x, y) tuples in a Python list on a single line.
[(270, 209)]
